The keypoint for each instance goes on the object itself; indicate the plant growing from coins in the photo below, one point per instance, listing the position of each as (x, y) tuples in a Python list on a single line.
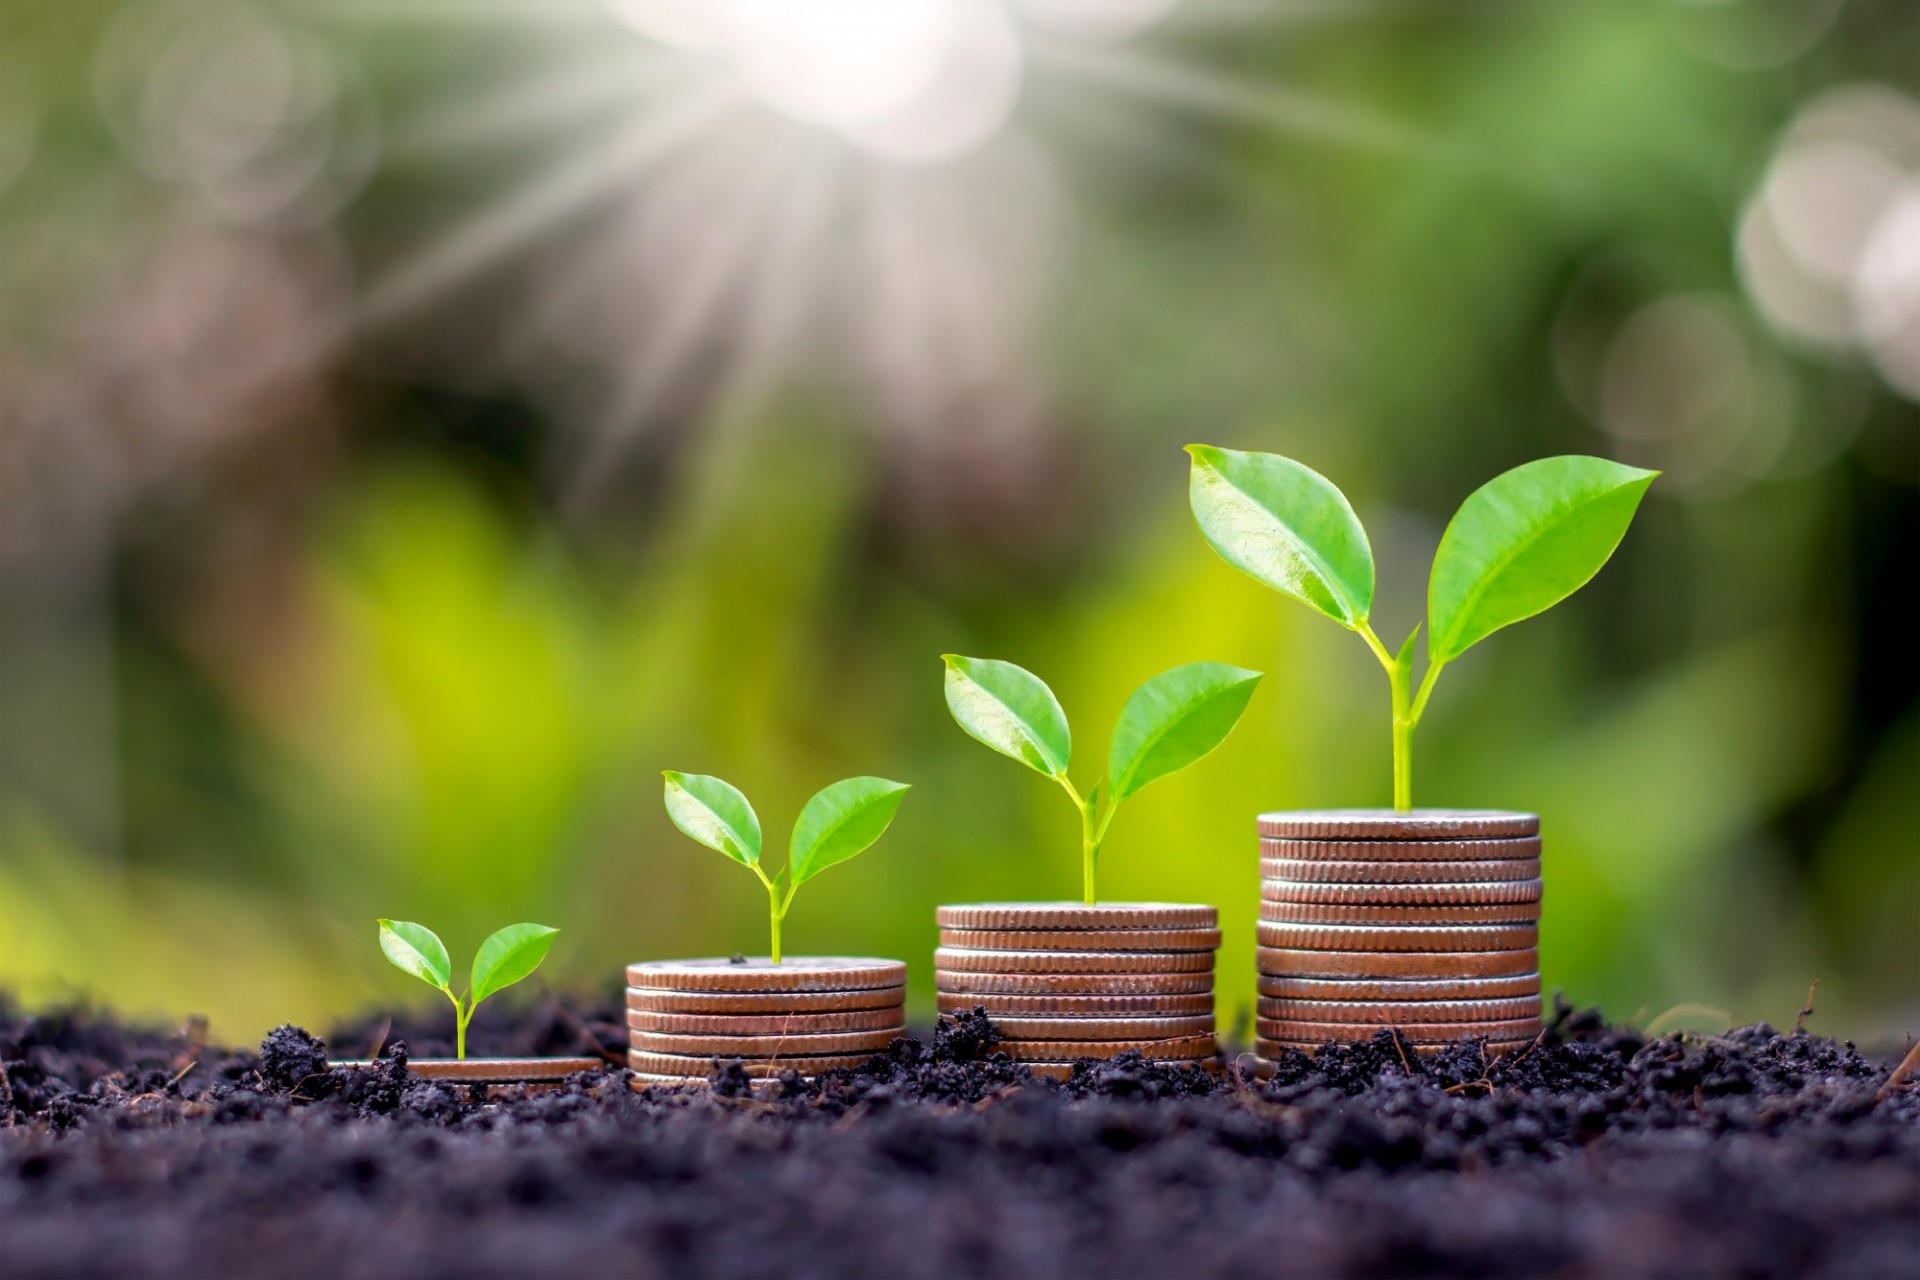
[(838, 822), (1519, 544), (506, 957), (1168, 723)]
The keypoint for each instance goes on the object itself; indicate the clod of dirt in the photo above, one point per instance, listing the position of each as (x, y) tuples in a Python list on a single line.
[(1599, 1151)]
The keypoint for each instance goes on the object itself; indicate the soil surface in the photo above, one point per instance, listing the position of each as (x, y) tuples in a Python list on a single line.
[(1598, 1152)]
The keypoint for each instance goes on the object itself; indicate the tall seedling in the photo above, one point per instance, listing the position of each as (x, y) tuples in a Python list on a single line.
[(1518, 545), (1170, 722), (838, 822)]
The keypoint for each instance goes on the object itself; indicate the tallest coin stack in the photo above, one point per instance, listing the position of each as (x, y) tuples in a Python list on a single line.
[(1426, 922)]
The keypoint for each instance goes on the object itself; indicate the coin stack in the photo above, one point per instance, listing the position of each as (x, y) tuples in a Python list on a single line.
[(1427, 922), (807, 1014), (1065, 980)]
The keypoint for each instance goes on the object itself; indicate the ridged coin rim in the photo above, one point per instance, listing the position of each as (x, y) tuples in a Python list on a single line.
[(1392, 1012), (771, 1002), (1068, 1006), (800, 973), (1080, 984), (1391, 937), (1177, 1049), (699, 1067), (1303, 963), (1451, 893), (1506, 849), (765, 1024), (1080, 1029), (1389, 824), (1414, 1033), (1081, 939), (966, 960), (1076, 915), (1394, 990), (765, 1048), (1418, 914), (1361, 871)]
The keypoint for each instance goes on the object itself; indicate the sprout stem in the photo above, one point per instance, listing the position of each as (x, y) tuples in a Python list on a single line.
[(1090, 837), (1408, 707)]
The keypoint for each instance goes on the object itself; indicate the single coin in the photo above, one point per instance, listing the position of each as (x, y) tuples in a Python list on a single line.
[(1389, 824), (1493, 1048), (1396, 990), (1103, 1028), (790, 1046), (1351, 913), (673, 1064), (1076, 915), (757, 973), (764, 1024), (948, 982), (1324, 871), (486, 1070), (1079, 1006), (776, 1002), (1180, 1048), (1417, 1033), (1301, 963), (1375, 1013), (1449, 894), (1082, 939), (961, 960), (1402, 850), (1399, 937)]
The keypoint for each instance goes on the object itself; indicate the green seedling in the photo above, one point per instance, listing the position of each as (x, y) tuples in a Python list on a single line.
[(1170, 722), (838, 822), (503, 959), (1518, 545)]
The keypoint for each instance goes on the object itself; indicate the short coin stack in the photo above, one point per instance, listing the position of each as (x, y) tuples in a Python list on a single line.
[(1427, 922), (1065, 980), (808, 1014)]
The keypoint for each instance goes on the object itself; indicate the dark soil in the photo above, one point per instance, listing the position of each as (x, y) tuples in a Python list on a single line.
[(1597, 1153)]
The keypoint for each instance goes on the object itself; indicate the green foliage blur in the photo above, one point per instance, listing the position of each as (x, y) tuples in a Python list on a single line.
[(321, 601)]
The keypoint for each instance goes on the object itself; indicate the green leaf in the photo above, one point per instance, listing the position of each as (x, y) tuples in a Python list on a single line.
[(508, 956), (1011, 710), (1286, 525), (1404, 659), (418, 950), (1525, 541), (714, 813), (1173, 720), (839, 821)]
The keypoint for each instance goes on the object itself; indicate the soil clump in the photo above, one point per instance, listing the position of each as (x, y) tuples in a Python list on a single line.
[(1598, 1151)]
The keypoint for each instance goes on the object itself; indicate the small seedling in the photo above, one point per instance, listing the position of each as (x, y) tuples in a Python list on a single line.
[(838, 822), (503, 959), (1518, 545), (1170, 722)]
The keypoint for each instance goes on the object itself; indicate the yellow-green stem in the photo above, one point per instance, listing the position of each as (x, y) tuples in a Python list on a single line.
[(462, 1014)]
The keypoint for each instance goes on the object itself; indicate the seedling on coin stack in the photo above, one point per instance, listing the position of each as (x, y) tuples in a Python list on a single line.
[(774, 1013), (508, 956), (1068, 980), (1421, 919)]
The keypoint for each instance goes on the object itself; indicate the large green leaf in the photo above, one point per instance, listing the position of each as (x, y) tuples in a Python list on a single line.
[(1174, 719), (418, 950), (839, 821), (714, 813), (508, 956), (1011, 710), (1525, 541), (1286, 525)]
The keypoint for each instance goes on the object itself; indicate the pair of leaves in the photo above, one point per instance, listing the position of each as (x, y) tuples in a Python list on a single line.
[(1170, 721), (838, 822), (506, 957), (1518, 545)]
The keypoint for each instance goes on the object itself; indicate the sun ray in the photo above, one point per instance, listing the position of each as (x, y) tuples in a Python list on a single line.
[(541, 205)]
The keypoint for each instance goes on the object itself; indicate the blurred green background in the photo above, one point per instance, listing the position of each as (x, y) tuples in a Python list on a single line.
[(421, 422)]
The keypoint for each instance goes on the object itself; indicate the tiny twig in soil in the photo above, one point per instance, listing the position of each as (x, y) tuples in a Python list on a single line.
[(584, 1032), (182, 1073), (196, 1044), (379, 1040), (1800, 1022), (1900, 1074), (1408, 1066)]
